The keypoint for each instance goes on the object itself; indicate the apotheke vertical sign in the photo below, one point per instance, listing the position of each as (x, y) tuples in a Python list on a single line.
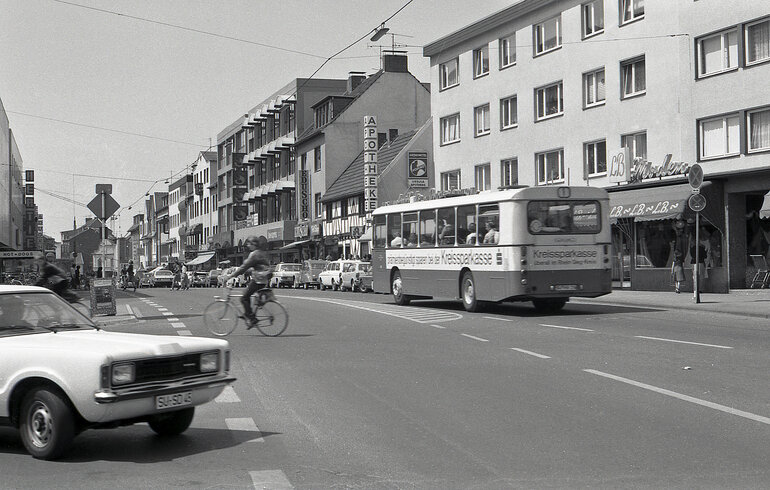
[(370, 163)]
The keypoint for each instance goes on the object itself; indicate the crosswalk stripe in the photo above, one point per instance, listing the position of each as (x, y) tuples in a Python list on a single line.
[(270, 479), (184, 332), (228, 395), (245, 424), (178, 325)]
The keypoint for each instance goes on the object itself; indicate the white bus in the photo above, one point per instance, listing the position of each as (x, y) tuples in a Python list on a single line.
[(540, 244)]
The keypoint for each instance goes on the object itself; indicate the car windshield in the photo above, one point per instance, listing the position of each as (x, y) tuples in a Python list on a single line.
[(22, 313), (291, 267), (365, 267)]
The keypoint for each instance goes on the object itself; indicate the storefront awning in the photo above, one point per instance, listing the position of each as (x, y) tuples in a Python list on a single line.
[(201, 258), (294, 244), (764, 212), (665, 202), (367, 236)]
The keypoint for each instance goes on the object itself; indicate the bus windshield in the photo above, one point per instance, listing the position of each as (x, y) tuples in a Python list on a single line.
[(559, 217)]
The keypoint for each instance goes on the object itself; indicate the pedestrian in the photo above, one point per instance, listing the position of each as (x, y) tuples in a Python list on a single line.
[(77, 276), (99, 272)]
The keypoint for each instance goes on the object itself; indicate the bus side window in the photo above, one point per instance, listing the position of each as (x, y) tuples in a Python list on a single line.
[(410, 237), (394, 230), (428, 228), (489, 224), (446, 225), (380, 232), (467, 234)]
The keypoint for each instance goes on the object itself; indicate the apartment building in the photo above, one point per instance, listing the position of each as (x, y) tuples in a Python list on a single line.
[(203, 209), (180, 196), (12, 190), (552, 92)]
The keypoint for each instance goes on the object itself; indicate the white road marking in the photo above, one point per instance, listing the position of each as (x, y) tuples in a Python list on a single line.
[(162, 309), (245, 424), (172, 319), (178, 325), (541, 356), (687, 398), (184, 332), (411, 313), (438, 326), (270, 479), (496, 318), (683, 342), (130, 311), (474, 338), (167, 313), (228, 395), (565, 328)]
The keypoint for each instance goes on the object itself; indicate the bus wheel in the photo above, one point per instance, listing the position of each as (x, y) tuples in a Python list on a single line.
[(549, 305), (468, 291), (398, 290)]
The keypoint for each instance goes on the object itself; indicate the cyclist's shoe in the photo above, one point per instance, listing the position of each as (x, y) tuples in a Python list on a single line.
[(251, 321)]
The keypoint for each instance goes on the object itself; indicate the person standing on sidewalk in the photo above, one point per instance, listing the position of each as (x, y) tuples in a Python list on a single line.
[(677, 265)]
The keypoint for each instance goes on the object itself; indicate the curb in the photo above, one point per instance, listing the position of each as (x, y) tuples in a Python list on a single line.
[(689, 307)]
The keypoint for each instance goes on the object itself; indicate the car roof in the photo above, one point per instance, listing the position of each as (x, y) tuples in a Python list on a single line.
[(10, 289)]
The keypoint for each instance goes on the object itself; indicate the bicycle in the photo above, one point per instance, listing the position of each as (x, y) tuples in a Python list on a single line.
[(222, 315)]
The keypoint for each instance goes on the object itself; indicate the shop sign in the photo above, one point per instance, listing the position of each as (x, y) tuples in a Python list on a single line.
[(315, 229), (301, 230), (20, 254), (304, 194), (620, 166), (275, 234), (412, 196), (646, 209), (644, 169), (356, 231), (103, 297), (370, 163), (417, 168)]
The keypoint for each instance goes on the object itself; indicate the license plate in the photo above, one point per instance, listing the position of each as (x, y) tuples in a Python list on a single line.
[(173, 400), (566, 287)]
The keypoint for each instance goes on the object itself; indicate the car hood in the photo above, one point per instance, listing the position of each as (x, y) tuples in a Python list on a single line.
[(113, 344)]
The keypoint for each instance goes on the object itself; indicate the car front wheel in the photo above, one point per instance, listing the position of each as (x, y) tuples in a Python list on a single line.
[(172, 423), (47, 423)]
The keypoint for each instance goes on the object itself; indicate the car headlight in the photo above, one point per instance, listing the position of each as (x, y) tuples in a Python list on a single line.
[(123, 373), (209, 362)]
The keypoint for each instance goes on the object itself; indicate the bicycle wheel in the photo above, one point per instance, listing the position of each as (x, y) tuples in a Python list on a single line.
[(272, 319), (221, 318)]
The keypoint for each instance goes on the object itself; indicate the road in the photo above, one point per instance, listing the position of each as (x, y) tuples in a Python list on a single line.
[(361, 393)]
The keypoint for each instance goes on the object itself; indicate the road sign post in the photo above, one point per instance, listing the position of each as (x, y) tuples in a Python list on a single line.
[(103, 206), (696, 202)]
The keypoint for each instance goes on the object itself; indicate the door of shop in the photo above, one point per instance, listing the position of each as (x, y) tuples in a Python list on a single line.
[(622, 244)]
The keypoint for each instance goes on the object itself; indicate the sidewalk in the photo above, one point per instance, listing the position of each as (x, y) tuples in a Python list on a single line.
[(742, 302)]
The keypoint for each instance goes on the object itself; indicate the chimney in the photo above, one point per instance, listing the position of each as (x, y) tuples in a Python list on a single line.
[(354, 79), (395, 61)]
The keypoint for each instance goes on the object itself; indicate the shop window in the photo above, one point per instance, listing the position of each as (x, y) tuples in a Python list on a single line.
[(658, 241)]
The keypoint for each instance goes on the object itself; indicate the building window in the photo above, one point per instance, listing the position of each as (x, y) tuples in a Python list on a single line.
[(593, 88), (547, 35), (637, 142), (631, 10), (317, 159), (758, 42), (303, 162), (481, 61), (549, 101), (317, 206), (633, 78), (509, 172), (550, 167), (507, 51), (508, 112), (720, 136), (482, 178), (759, 130), (595, 157), (450, 129), (481, 120), (448, 74), (450, 180), (718, 53), (593, 18)]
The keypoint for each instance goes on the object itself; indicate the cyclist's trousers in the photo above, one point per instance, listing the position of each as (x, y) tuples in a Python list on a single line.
[(252, 288)]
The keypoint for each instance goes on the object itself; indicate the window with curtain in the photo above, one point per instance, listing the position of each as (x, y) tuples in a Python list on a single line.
[(450, 129), (593, 18), (759, 130), (633, 78), (593, 88), (480, 61), (448, 74), (509, 172), (758, 42), (631, 10), (450, 180), (507, 47), (595, 156), (549, 101), (547, 35), (720, 136), (482, 178), (508, 112), (637, 142), (550, 167), (481, 120), (718, 52)]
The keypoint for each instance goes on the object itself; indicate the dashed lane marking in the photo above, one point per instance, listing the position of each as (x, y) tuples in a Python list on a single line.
[(687, 398), (247, 425), (178, 325), (541, 356), (438, 326), (683, 342), (228, 395), (270, 479), (497, 318), (474, 337), (565, 328), (162, 309), (172, 319), (184, 332), (411, 313), (167, 313)]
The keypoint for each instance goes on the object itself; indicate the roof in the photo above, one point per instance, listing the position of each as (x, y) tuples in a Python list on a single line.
[(362, 87), (351, 181)]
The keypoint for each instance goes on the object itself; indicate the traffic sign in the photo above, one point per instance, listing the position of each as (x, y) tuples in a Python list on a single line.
[(103, 206), (697, 202), (695, 176), (103, 188)]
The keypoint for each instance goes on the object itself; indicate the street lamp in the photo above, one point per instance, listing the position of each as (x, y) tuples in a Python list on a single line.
[(379, 32)]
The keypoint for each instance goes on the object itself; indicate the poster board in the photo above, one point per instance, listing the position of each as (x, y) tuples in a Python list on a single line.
[(103, 297)]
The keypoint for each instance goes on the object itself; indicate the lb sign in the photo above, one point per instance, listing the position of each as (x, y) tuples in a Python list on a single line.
[(620, 166)]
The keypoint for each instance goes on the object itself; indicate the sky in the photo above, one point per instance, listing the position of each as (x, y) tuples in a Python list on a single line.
[(129, 92)]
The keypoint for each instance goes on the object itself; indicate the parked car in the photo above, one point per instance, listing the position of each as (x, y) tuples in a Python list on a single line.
[(199, 279), (362, 280), (286, 274), (213, 274), (308, 275), (350, 273), (61, 374), (331, 276), (161, 276)]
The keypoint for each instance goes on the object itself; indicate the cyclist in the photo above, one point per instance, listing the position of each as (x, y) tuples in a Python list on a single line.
[(257, 260), (53, 278)]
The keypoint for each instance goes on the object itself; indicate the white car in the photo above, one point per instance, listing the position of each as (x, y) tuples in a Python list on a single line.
[(61, 375), (161, 276), (331, 276), (286, 274), (352, 273)]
